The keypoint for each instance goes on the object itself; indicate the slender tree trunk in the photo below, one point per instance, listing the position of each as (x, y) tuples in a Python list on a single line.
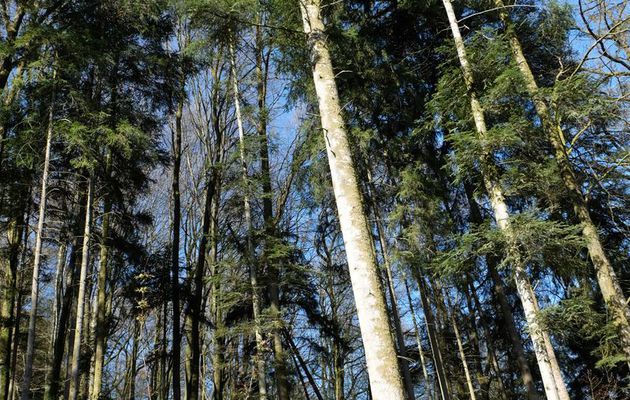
[(414, 319), (132, 367), (492, 354), (482, 380), (253, 274), (606, 277), (78, 328), (12, 394), (30, 341), (176, 333), (460, 348), (429, 319), (101, 294), (303, 365), (53, 383), (218, 339), (497, 200), (380, 353)]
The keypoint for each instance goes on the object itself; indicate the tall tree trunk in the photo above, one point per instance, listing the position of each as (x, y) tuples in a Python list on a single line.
[(500, 209), (81, 297), (176, 333), (30, 341), (9, 291), (253, 274), (380, 353), (101, 294), (606, 277), (218, 338)]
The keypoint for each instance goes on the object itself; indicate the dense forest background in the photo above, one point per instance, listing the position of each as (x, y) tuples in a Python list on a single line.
[(314, 199)]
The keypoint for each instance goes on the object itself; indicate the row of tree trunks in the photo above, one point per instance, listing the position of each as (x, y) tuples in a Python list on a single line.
[(606, 276), (554, 388)]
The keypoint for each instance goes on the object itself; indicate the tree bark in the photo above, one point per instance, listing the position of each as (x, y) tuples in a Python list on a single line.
[(501, 215), (30, 341), (608, 282), (78, 328), (380, 353)]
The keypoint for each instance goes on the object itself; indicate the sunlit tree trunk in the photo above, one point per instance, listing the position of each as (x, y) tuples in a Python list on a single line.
[(380, 353), (501, 215), (391, 292)]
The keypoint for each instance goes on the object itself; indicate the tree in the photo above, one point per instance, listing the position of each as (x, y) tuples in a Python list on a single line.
[(385, 378)]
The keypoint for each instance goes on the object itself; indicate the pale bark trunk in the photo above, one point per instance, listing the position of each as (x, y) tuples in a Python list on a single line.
[(78, 328), (460, 348), (606, 277), (380, 352), (253, 274), (30, 342), (501, 215), (101, 306)]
